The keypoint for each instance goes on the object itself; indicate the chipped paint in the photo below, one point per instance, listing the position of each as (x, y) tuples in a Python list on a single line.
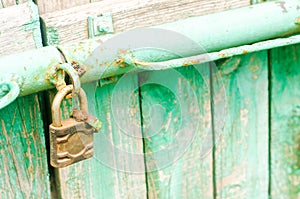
[(282, 5), (52, 36), (34, 25)]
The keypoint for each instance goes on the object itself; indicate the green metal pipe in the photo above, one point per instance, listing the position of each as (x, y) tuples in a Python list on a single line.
[(203, 34), (204, 58), (30, 68), (124, 52)]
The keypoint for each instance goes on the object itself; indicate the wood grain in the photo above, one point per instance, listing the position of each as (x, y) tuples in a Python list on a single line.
[(23, 160), (241, 151), (46, 6), (71, 25), (20, 29), (285, 122), (177, 133), (7, 3), (111, 175)]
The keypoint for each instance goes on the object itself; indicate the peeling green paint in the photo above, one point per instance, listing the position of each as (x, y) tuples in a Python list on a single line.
[(34, 25), (52, 36)]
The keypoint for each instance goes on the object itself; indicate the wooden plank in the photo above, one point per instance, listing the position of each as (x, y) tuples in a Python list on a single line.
[(177, 133), (241, 151), (23, 161), (127, 14), (7, 3), (20, 29), (46, 6), (105, 177), (285, 122)]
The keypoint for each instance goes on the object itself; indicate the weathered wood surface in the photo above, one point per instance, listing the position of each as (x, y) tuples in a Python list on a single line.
[(46, 6), (176, 113), (285, 122), (241, 150), (23, 161), (7, 3), (20, 29), (104, 177), (71, 25)]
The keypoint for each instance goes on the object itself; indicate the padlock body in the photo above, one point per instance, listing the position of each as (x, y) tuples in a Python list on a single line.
[(70, 143)]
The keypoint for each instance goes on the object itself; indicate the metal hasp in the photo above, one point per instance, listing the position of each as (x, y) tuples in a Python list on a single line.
[(100, 25), (213, 33)]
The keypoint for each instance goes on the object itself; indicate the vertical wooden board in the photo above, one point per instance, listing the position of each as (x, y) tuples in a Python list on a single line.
[(100, 177), (241, 151), (285, 122), (23, 161), (176, 113), (46, 6), (20, 28)]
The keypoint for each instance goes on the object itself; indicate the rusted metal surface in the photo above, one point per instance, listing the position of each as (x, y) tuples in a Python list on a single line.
[(204, 58), (71, 140), (29, 68), (255, 23), (56, 117)]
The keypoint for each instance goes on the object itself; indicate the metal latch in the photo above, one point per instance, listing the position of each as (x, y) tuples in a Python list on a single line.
[(100, 25)]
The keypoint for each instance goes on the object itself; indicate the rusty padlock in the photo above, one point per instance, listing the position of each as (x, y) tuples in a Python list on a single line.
[(70, 141)]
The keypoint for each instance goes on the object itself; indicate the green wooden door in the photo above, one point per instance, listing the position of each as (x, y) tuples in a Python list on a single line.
[(243, 112), (240, 106)]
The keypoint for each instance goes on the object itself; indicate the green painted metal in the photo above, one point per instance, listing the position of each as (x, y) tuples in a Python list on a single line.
[(34, 24), (285, 122), (9, 91), (100, 25), (30, 68), (204, 58), (254, 24)]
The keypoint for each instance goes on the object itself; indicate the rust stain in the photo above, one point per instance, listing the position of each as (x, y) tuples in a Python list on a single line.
[(282, 5), (254, 68), (99, 41), (120, 62), (245, 51), (222, 54)]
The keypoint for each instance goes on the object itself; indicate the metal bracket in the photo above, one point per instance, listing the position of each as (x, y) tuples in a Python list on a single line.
[(100, 25), (9, 91)]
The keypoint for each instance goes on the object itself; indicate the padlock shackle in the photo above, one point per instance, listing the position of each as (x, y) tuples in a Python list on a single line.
[(61, 94)]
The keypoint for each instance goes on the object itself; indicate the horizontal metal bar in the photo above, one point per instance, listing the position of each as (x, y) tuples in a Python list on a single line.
[(30, 68), (118, 55), (204, 58), (208, 33)]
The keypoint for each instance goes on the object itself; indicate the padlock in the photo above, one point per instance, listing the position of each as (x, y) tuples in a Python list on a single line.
[(70, 141)]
